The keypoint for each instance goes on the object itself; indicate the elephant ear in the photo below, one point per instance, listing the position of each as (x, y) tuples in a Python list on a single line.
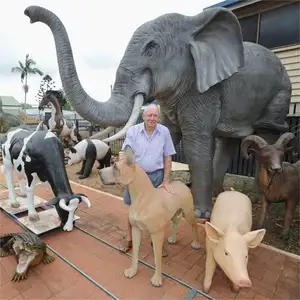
[(216, 46)]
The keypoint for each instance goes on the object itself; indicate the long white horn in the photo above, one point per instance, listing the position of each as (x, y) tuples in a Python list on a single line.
[(103, 133), (62, 205), (138, 103), (86, 201)]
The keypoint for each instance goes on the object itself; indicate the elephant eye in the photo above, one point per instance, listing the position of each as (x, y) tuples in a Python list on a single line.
[(150, 49)]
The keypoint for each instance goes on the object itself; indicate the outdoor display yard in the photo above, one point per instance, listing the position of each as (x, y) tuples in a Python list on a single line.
[(240, 183), (188, 89), (91, 248)]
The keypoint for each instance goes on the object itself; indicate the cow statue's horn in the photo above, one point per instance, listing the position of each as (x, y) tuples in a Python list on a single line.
[(63, 205), (86, 201)]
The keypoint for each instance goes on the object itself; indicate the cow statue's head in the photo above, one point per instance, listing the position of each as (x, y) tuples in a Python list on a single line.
[(66, 207)]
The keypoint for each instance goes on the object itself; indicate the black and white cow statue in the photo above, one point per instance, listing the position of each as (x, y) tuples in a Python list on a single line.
[(66, 208), (34, 155), (88, 151)]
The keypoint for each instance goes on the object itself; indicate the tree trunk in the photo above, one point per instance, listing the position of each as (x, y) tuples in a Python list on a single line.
[(25, 98)]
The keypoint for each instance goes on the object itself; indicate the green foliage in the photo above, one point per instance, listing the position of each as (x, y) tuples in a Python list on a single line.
[(67, 106), (64, 103), (47, 84), (26, 68)]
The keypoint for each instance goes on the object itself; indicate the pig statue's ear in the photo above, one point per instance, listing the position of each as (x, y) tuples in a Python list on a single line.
[(253, 238), (213, 233)]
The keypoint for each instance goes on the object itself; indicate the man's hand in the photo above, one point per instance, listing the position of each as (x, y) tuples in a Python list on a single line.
[(165, 184)]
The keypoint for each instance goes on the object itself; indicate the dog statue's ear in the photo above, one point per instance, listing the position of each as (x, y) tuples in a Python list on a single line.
[(129, 155)]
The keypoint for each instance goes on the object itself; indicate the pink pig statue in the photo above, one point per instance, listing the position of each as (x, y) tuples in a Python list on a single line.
[(228, 238)]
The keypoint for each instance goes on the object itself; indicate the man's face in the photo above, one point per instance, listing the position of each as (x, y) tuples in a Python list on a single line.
[(150, 117)]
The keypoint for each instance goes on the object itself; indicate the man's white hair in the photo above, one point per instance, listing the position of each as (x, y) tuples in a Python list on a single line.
[(150, 106)]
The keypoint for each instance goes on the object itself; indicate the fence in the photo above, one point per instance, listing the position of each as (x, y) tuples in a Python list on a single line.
[(239, 165)]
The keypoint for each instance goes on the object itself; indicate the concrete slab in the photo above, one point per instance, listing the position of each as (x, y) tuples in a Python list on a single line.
[(176, 166), (49, 220), (4, 204)]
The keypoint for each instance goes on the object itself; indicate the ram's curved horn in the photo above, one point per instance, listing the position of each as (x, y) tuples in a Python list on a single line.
[(255, 141)]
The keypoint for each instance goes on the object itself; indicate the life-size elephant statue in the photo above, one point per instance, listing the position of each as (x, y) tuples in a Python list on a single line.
[(210, 85)]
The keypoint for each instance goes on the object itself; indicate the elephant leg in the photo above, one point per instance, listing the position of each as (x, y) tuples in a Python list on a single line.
[(174, 129), (199, 154), (222, 156)]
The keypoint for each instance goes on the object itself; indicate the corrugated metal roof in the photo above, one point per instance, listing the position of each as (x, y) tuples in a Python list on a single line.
[(9, 101), (225, 3)]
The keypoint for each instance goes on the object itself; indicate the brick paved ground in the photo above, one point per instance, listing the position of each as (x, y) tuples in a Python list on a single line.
[(273, 275)]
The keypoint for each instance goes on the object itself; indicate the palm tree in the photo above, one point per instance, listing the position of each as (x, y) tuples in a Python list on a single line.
[(26, 69)]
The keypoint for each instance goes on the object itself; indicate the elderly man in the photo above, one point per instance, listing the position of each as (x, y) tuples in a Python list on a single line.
[(153, 148)]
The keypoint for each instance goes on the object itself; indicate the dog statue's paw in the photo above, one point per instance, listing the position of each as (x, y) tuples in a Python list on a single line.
[(171, 240), (129, 273), (195, 245), (156, 280)]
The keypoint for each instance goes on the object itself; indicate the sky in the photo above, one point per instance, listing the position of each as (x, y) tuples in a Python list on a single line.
[(99, 31)]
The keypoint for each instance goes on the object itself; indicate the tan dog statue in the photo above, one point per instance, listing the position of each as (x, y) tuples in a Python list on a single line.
[(228, 238), (151, 208)]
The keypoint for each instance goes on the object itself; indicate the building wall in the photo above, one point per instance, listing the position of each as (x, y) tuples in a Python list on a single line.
[(290, 57), (275, 25), (11, 110)]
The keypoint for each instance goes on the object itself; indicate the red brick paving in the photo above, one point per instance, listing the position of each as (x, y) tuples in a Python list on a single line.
[(273, 275)]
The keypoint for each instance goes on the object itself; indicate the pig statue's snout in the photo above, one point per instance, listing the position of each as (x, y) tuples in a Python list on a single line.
[(244, 283)]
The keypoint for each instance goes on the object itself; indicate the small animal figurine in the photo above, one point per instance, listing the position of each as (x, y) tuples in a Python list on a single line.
[(279, 181), (29, 250), (57, 123), (151, 209), (34, 155), (228, 238), (87, 151), (66, 206)]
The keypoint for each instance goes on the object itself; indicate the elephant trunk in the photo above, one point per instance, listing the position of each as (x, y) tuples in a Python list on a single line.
[(115, 112)]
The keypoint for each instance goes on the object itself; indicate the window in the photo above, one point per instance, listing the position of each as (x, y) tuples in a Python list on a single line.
[(249, 28), (280, 26)]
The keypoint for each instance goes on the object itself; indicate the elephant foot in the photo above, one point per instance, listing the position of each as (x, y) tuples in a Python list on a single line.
[(202, 216), (82, 177), (285, 234), (79, 173)]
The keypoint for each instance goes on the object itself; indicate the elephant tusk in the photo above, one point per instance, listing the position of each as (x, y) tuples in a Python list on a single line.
[(138, 103), (63, 205), (104, 132), (40, 125), (86, 201)]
